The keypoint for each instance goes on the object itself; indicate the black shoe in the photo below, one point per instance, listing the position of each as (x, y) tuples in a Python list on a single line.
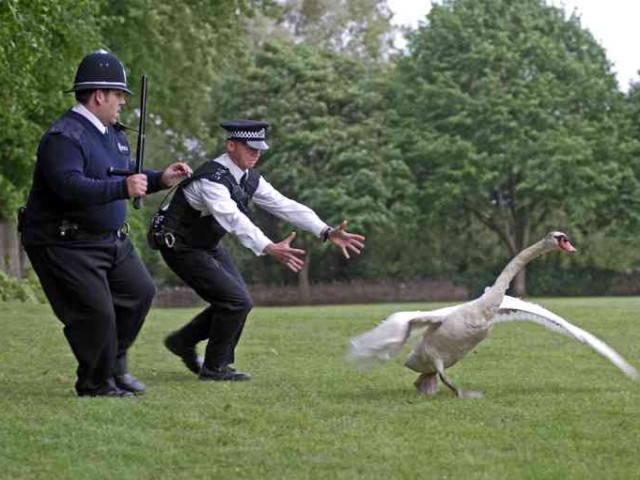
[(129, 383), (187, 353), (223, 373), (108, 390)]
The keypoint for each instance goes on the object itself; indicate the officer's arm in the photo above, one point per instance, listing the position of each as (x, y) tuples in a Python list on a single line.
[(216, 200), (271, 200), (62, 162)]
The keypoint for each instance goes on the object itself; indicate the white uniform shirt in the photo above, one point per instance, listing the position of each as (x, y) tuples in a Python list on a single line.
[(211, 198), (88, 114)]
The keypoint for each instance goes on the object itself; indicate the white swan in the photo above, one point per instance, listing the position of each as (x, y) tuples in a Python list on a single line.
[(450, 333)]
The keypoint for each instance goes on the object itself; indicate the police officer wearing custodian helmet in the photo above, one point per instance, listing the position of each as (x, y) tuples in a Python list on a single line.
[(73, 229)]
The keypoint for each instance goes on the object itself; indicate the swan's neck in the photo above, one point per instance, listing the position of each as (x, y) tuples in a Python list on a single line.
[(514, 266)]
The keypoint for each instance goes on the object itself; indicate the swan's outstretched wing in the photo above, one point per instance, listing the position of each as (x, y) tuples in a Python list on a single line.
[(512, 309), (387, 339)]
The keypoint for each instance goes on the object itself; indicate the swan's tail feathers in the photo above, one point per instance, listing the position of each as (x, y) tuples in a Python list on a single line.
[(386, 340), (514, 309), (382, 342)]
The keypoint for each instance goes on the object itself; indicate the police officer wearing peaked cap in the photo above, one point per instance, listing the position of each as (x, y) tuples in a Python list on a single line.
[(212, 203), (74, 232)]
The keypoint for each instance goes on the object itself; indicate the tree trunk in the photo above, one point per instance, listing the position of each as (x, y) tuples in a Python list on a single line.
[(519, 285), (304, 289), (12, 257)]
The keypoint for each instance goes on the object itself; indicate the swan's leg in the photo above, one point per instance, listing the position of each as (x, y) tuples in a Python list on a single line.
[(445, 379), (427, 383)]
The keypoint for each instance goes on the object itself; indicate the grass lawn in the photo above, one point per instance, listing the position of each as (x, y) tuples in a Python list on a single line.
[(553, 408)]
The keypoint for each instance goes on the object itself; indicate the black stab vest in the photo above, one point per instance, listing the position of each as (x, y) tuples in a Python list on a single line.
[(188, 225)]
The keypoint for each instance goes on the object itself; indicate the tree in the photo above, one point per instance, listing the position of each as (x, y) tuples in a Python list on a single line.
[(360, 29), (41, 44), (331, 150), (511, 116), (185, 48)]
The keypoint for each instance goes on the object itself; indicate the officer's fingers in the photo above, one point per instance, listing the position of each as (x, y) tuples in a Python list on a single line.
[(355, 249), (142, 185), (298, 252), (136, 185), (133, 187), (293, 268), (186, 170), (180, 168), (355, 245), (295, 264), (137, 179)]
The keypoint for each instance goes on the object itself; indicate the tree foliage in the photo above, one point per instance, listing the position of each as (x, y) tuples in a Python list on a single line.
[(360, 29), (38, 40), (330, 149), (185, 48), (502, 120), (511, 115)]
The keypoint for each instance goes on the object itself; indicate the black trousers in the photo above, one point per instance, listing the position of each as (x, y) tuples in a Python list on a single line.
[(214, 277), (102, 294)]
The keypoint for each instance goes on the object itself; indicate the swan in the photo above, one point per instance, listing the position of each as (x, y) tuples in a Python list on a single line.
[(450, 333)]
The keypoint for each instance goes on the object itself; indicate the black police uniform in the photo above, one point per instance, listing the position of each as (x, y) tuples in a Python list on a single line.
[(188, 236), (72, 231), (199, 259)]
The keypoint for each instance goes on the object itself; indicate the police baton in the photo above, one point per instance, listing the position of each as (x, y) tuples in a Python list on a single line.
[(137, 201)]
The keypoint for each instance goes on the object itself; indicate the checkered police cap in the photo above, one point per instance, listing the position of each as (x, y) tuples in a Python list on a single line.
[(252, 132)]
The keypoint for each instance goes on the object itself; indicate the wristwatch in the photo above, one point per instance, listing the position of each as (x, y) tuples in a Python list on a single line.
[(324, 236)]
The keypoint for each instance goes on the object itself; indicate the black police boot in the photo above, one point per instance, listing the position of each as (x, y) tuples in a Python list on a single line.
[(223, 373), (186, 352), (126, 381), (108, 389)]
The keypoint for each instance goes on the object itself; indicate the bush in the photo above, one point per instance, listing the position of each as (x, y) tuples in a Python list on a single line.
[(27, 289)]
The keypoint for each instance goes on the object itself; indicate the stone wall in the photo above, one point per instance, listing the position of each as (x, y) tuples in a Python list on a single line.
[(425, 290)]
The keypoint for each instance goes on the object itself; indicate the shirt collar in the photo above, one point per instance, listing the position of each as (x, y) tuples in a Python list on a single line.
[(236, 171), (85, 112)]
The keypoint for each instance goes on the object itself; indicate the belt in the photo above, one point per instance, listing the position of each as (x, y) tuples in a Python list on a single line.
[(73, 232)]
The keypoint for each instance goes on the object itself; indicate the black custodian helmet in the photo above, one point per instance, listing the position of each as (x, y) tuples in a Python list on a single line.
[(100, 70)]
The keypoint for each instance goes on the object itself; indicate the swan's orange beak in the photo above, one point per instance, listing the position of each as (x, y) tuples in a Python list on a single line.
[(566, 246)]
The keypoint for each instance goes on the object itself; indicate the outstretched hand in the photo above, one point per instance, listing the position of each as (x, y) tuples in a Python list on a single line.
[(175, 172), (293, 258), (346, 241)]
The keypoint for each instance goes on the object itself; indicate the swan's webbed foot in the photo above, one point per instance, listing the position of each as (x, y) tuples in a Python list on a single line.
[(447, 381), (459, 393), (427, 383)]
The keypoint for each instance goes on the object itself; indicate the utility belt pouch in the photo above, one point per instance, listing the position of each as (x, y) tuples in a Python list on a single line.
[(158, 235), (67, 230), (162, 227)]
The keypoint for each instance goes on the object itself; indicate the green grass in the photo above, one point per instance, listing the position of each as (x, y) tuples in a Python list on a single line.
[(553, 408)]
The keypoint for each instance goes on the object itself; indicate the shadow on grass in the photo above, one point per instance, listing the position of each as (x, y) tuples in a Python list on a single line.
[(171, 377), (519, 390), (21, 388), (409, 395)]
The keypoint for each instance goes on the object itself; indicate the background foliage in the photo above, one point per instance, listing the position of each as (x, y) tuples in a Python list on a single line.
[(502, 120)]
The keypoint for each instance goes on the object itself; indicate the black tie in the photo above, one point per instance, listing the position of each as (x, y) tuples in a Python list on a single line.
[(243, 180)]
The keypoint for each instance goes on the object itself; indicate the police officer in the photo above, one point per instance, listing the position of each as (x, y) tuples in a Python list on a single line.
[(213, 202), (74, 230)]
